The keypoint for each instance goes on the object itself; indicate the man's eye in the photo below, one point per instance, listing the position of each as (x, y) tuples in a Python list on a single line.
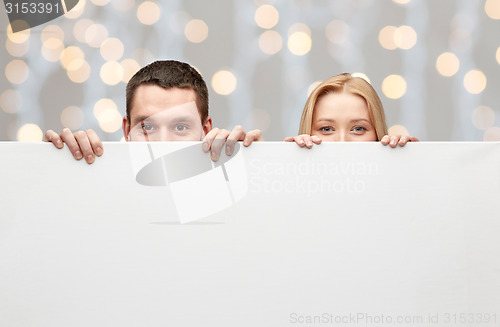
[(180, 128), (147, 128)]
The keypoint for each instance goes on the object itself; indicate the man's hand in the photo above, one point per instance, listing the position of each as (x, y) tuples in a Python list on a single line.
[(395, 140), (81, 144), (304, 140), (216, 138)]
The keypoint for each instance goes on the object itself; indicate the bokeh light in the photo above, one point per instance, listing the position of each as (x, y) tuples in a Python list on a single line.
[(80, 29), (29, 133), (475, 81), (148, 13), (111, 73), (492, 134), (398, 130), (267, 16), (394, 86), (80, 74), (447, 64), (11, 101), (483, 117), (102, 105), (130, 67), (95, 35), (110, 120), (77, 11), (492, 8), (196, 31), (123, 5), (299, 43), (21, 36), (17, 71), (72, 117), (17, 49), (112, 49), (224, 82), (270, 42), (337, 31), (52, 31), (363, 76), (405, 37), (386, 37), (100, 2), (52, 49), (70, 55)]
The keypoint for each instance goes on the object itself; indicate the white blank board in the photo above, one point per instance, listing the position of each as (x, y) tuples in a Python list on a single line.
[(344, 234)]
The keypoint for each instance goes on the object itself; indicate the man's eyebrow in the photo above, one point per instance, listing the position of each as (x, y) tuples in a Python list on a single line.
[(176, 119), (138, 119)]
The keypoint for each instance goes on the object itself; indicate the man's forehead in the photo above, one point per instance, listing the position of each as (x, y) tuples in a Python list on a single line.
[(186, 112), (151, 100)]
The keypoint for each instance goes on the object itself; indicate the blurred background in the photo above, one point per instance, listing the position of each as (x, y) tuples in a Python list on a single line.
[(435, 64)]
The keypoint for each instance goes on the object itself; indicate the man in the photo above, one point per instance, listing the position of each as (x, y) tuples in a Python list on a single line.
[(166, 101)]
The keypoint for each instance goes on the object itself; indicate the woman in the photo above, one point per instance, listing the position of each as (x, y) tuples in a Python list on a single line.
[(345, 108)]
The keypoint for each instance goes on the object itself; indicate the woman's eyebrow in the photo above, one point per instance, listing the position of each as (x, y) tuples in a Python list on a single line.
[(361, 121), (326, 120)]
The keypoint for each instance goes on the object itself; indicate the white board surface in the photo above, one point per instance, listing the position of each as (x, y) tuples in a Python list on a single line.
[(344, 234)]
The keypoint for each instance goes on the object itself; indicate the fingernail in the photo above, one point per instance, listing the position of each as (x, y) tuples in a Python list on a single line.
[(228, 150), (78, 155), (59, 143), (99, 151), (90, 158), (204, 147), (301, 141), (214, 156)]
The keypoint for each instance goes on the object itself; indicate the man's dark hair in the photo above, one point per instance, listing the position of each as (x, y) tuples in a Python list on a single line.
[(168, 74)]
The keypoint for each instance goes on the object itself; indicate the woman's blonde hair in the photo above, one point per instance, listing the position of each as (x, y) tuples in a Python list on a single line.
[(345, 83)]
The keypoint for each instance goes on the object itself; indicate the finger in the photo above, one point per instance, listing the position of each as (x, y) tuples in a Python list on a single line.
[(51, 136), (289, 139), (84, 143), (300, 140), (218, 143), (394, 141), (316, 140), (309, 142), (403, 140), (208, 139), (385, 140), (252, 136), (237, 134), (70, 140), (95, 142), (414, 139)]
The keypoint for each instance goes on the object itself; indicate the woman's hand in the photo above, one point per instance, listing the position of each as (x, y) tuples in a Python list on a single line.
[(395, 140), (304, 140)]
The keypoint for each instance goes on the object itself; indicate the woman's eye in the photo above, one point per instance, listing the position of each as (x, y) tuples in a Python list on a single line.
[(326, 129), (359, 129)]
